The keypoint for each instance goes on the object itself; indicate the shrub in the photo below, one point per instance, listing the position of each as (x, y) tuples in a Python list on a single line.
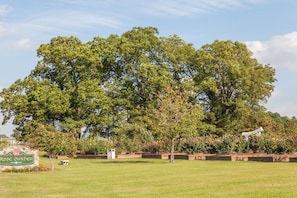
[(267, 145), (285, 146), (127, 145), (94, 145), (226, 144), (210, 144), (254, 144), (193, 145), (241, 145), (156, 147), (42, 168), (22, 170)]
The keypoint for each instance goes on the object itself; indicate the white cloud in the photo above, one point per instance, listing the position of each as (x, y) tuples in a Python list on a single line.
[(283, 100), (24, 44), (178, 8), (280, 51), (69, 21), (6, 30), (4, 10), (190, 7), (284, 108)]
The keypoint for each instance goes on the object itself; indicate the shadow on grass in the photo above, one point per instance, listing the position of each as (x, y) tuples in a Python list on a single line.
[(116, 161)]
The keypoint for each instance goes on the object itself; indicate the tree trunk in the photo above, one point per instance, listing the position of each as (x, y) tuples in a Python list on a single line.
[(172, 151), (52, 161)]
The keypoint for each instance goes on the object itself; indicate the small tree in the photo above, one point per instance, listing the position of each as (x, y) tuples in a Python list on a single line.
[(54, 143), (175, 117)]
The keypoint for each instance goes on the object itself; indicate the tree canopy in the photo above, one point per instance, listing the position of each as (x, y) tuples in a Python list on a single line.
[(108, 83), (233, 85)]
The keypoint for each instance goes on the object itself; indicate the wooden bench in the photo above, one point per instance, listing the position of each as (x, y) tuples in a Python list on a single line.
[(64, 162)]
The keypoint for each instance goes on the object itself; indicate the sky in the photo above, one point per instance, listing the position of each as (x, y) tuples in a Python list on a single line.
[(267, 27)]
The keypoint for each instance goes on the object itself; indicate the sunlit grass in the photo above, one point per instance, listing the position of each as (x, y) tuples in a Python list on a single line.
[(154, 178)]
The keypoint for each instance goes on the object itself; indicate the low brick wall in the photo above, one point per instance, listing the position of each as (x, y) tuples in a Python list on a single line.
[(181, 156), (219, 157), (104, 156), (261, 159), (281, 158), (64, 157), (292, 159), (129, 156), (197, 156), (239, 158), (257, 157), (155, 156)]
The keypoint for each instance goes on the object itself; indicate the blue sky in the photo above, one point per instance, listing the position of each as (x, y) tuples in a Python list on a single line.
[(268, 27)]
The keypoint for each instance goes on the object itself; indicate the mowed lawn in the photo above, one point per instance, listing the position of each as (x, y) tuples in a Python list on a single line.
[(154, 178)]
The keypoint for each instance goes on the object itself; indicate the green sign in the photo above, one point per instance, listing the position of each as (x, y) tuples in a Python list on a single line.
[(16, 159)]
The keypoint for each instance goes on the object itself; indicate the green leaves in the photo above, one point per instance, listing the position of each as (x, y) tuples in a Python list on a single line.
[(66, 61), (175, 116), (108, 83), (232, 84)]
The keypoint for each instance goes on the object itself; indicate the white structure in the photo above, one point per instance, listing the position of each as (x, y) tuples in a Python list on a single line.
[(111, 154), (256, 132)]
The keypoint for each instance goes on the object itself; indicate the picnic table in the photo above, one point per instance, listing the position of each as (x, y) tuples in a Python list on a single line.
[(64, 162)]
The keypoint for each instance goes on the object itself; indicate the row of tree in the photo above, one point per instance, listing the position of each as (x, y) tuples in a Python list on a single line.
[(142, 86)]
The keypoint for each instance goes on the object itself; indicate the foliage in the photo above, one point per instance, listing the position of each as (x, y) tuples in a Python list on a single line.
[(29, 99), (3, 144), (226, 144), (129, 137), (229, 144), (93, 145), (174, 117), (42, 168), (232, 84), (139, 87), (156, 147), (273, 145), (22, 170), (193, 145), (241, 146), (206, 129), (63, 89), (278, 125), (126, 145), (54, 143)]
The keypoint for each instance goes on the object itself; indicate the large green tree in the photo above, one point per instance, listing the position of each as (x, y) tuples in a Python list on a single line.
[(31, 99), (232, 84), (76, 70), (142, 75), (147, 65), (108, 83)]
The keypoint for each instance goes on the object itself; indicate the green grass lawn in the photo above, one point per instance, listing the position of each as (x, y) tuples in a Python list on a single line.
[(154, 178)]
